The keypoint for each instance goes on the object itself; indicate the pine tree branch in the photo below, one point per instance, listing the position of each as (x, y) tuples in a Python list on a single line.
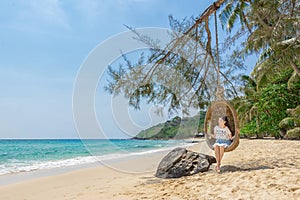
[(204, 16)]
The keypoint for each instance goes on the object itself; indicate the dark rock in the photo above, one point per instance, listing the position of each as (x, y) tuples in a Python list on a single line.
[(182, 162), (138, 138), (211, 159)]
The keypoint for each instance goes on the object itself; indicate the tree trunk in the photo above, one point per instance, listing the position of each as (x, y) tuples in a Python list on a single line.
[(258, 134), (297, 70)]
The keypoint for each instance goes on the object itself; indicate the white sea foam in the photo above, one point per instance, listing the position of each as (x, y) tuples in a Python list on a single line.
[(18, 166)]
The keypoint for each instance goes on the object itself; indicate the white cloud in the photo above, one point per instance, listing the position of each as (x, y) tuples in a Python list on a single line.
[(134, 1), (35, 15), (91, 9), (94, 11), (50, 11)]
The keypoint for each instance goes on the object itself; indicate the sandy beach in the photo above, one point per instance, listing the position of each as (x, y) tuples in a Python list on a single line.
[(257, 169)]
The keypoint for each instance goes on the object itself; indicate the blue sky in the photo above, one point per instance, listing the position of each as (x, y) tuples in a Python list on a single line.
[(42, 46)]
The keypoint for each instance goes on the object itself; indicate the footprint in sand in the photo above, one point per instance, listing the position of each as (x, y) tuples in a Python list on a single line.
[(234, 190), (293, 189), (272, 185)]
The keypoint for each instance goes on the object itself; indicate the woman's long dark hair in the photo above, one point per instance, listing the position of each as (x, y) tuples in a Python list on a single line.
[(225, 118)]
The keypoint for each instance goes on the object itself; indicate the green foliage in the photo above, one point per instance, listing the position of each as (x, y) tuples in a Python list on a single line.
[(169, 130), (233, 11), (274, 100), (262, 109), (175, 128), (150, 132), (247, 109), (274, 84), (248, 130)]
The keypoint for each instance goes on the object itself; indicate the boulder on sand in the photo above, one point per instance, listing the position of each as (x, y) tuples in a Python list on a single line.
[(182, 162)]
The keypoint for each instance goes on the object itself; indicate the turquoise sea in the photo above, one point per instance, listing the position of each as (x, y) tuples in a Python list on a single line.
[(28, 155)]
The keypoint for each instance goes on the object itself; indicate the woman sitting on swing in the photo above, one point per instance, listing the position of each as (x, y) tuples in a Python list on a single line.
[(223, 137)]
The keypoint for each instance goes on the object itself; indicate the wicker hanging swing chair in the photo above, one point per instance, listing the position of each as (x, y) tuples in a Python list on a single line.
[(220, 108), (216, 110)]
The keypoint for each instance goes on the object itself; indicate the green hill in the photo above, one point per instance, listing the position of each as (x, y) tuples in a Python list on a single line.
[(176, 128)]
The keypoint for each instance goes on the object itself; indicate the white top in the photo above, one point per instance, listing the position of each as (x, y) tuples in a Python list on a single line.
[(222, 133)]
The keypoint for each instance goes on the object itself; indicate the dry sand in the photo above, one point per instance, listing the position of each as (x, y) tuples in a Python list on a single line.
[(257, 169)]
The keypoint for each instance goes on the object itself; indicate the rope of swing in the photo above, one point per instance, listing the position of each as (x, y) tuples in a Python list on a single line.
[(217, 50)]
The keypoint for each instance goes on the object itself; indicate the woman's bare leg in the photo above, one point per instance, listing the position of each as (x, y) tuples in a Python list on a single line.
[(217, 153), (221, 153)]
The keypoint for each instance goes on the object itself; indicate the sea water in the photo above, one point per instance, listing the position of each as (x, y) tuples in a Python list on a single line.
[(28, 155)]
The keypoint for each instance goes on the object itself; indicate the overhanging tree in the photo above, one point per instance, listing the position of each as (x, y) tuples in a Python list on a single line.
[(194, 80), (271, 29)]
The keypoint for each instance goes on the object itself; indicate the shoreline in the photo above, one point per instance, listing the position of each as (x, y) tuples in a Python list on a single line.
[(126, 176), (55, 160), (16, 177), (257, 169)]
